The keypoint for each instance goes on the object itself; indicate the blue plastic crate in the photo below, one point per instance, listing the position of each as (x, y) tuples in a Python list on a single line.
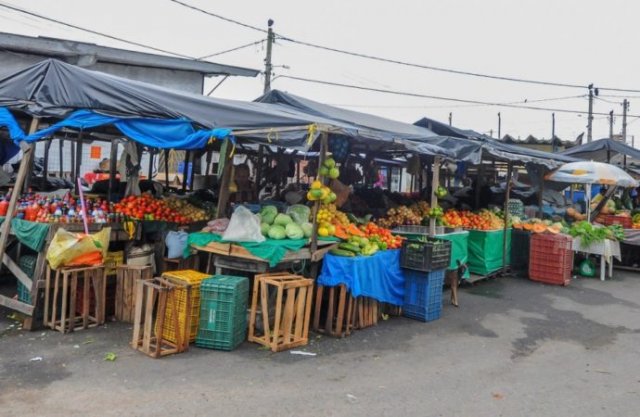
[(423, 294)]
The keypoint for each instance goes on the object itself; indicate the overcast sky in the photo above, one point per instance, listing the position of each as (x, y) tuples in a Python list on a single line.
[(576, 42)]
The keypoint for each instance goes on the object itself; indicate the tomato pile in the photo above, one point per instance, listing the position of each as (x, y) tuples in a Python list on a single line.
[(373, 231), (145, 207), (484, 220)]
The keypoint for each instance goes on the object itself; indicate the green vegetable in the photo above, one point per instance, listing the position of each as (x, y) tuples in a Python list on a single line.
[(341, 252), (294, 231), (268, 214), (282, 220), (277, 232), (590, 234), (307, 229), (264, 229), (349, 247), (299, 213)]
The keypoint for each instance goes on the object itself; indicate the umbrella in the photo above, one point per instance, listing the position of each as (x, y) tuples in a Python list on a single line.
[(590, 172)]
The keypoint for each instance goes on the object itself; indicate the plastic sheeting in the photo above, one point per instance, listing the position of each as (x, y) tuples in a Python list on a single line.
[(7, 148), (602, 150), (157, 133), (485, 250), (378, 276)]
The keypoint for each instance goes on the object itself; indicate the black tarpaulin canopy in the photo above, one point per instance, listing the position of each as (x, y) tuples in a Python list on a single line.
[(54, 89), (490, 148), (602, 150)]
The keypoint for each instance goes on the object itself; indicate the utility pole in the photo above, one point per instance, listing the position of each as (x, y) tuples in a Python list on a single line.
[(625, 108), (590, 118), (611, 124), (268, 67), (554, 144), (499, 125), (450, 118)]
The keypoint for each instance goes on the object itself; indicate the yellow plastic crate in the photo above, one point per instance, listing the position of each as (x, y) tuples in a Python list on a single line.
[(194, 278)]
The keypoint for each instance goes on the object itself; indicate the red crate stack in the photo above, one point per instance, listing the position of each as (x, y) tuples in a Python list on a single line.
[(551, 258), (610, 219)]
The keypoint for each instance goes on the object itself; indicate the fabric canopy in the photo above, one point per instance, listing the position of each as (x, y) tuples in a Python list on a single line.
[(602, 150), (157, 133), (52, 88)]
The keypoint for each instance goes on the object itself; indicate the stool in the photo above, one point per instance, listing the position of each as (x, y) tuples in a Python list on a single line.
[(64, 286), (290, 325), (126, 278), (339, 309)]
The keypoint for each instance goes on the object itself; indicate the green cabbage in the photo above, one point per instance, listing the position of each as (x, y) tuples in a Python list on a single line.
[(299, 213), (264, 229), (294, 231), (282, 220), (268, 214), (307, 229), (277, 232)]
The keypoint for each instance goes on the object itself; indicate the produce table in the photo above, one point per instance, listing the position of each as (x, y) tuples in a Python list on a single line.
[(607, 249), (485, 250), (459, 249), (378, 276)]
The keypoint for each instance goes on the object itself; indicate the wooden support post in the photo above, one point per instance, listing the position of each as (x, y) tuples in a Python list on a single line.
[(166, 168), (78, 161), (479, 183), (185, 170), (60, 158), (324, 146), (113, 163), (224, 176), (540, 195), (208, 162), (45, 172), (435, 182), (194, 166), (151, 153), (506, 217)]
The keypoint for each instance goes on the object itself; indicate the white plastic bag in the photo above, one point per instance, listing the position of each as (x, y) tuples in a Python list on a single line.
[(244, 226)]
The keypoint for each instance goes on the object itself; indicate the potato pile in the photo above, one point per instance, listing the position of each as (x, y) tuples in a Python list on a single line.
[(186, 209)]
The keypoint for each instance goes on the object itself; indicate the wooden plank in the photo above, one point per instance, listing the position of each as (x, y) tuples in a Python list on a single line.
[(341, 301), (316, 314), (332, 300), (224, 179), (254, 309), (162, 307), (301, 301), (72, 301), (148, 320), (137, 320), (287, 320), (16, 305), (307, 312), (265, 310), (275, 341)]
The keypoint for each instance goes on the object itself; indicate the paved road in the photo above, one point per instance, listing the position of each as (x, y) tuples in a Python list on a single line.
[(513, 348)]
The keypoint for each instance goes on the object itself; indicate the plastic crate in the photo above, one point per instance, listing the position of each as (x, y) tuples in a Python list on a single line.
[(194, 279), (551, 258), (223, 312), (425, 256), (27, 264), (610, 219), (423, 294), (520, 247)]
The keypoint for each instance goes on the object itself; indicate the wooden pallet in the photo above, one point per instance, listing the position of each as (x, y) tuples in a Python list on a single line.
[(152, 298), (127, 277), (62, 290), (334, 312), (366, 310), (290, 326)]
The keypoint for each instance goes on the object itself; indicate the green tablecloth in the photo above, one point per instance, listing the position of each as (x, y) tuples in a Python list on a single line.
[(459, 248), (270, 250), (31, 234), (485, 251)]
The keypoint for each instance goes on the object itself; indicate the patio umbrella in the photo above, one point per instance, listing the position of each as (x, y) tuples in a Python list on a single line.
[(590, 172)]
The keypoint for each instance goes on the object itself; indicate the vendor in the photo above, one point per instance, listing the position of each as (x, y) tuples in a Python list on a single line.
[(244, 190)]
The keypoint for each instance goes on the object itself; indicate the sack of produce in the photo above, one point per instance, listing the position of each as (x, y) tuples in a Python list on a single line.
[(268, 214), (244, 226), (176, 243), (65, 247), (299, 213)]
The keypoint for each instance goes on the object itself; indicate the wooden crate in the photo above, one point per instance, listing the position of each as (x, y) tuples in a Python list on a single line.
[(366, 312), (152, 298), (61, 295), (127, 277), (289, 327), (334, 312)]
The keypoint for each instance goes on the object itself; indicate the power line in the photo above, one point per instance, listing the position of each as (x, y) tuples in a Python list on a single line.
[(237, 48), (398, 62), (457, 100), (94, 32)]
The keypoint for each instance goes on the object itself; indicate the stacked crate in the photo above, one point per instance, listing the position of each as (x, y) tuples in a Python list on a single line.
[(551, 258)]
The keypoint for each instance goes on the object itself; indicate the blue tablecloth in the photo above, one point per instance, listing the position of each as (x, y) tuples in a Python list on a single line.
[(378, 276)]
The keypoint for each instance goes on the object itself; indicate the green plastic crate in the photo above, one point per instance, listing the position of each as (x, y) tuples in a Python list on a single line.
[(223, 312), (28, 265)]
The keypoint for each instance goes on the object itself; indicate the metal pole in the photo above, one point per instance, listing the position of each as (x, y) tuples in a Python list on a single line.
[(506, 218), (590, 117), (113, 167), (611, 124), (554, 143), (625, 108), (499, 125), (450, 118), (268, 67), (151, 153)]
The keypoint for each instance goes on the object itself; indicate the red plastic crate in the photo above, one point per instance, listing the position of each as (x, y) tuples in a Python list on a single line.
[(609, 219), (551, 258)]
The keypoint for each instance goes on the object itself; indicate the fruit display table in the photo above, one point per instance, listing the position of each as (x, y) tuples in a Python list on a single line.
[(459, 249), (485, 251)]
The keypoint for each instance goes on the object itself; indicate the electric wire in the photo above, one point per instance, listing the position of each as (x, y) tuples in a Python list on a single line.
[(237, 48)]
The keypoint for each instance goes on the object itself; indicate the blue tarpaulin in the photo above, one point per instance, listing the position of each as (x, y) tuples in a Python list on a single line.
[(9, 149), (378, 276), (157, 133)]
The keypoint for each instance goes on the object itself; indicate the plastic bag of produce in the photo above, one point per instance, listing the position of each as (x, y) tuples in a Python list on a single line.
[(176, 243), (217, 226), (299, 213), (294, 231), (65, 247), (244, 226), (268, 214), (282, 220)]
